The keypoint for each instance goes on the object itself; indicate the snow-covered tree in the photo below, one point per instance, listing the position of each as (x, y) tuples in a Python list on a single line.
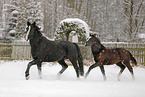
[(11, 22), (29, 10), (112, 19), (72, 27), (134, 15)]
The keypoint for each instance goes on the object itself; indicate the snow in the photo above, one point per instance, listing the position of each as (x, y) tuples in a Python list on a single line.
[(142, 35), (12, 31), (13, 83), (15, 12)]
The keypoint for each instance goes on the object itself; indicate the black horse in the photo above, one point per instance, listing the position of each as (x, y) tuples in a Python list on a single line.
[(44, 50), (103, 56)]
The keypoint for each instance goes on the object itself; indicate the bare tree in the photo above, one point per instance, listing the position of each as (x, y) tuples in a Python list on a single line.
[(134, 14), (112, 19)]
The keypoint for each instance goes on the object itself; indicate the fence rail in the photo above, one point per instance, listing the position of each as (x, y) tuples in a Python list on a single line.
[(21, 50)]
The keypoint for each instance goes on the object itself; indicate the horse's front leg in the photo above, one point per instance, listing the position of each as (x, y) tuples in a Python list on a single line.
[(34, 62), (28, 68), (103, 71), (39, 70), (90, 68)]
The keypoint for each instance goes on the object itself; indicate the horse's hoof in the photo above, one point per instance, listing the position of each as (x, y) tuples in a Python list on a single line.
[(82, 74), (58, 74), (85, 76), (40, 77), (105, 78), (133, 77), (27, 77)]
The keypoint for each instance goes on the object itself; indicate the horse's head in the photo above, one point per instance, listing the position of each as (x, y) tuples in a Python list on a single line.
[(93, 40), (32, 30)]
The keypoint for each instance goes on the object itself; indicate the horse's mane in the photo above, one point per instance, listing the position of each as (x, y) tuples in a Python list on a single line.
[(102, 47), (98, 40), (38, 31)]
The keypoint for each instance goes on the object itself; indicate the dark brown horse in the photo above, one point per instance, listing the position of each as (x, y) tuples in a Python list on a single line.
[(103, 56)]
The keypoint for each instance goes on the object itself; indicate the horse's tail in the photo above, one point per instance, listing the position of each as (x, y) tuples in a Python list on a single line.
[(133, 60), (80, 60)]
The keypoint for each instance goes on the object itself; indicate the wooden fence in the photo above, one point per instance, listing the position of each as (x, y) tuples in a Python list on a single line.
[(21, 50), (15, 51)]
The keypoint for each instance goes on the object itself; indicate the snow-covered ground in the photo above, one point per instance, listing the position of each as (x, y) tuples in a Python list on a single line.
[(13, 83)]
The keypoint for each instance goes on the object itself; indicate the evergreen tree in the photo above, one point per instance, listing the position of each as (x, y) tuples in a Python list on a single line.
[(29, 10), (11, 23), (68, 29)]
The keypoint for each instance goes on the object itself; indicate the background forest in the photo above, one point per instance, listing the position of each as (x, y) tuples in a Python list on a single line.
[(113, 20)]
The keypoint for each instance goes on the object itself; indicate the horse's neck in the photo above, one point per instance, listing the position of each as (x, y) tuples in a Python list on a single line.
[(97, 48), (35, 42)]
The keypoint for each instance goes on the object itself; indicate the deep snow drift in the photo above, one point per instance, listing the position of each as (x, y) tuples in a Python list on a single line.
[(13, 83)]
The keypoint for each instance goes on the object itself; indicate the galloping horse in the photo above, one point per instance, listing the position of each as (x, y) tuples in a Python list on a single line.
[(44, 50), (103, 56)]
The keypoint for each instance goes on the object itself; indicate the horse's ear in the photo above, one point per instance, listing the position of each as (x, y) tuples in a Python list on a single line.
[(34, 24), (92, 35), (28, 23)]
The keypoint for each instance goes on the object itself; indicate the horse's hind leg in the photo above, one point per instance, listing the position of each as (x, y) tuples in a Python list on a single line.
[(122, 69), (127, 64), (64, 66), (130, 69), (74, 62), (103, 71), (81, 67)]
